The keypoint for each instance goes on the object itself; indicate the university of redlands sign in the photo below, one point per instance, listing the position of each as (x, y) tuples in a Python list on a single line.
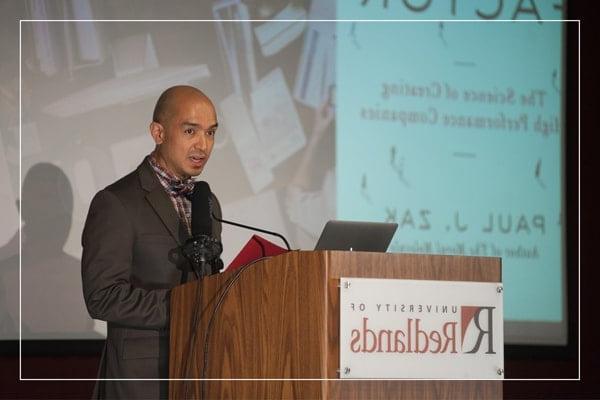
[(393, 328)]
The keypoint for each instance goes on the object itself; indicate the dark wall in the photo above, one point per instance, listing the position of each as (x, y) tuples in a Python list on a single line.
[(80, 359), (563, 362)]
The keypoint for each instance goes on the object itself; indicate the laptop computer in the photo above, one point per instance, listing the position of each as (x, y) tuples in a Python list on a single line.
[(356, 236)]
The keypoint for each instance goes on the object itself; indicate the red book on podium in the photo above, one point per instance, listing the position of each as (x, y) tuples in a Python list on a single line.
[(257, 247)]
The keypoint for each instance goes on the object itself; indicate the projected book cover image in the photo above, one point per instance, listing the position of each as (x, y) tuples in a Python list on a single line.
[(456, 137)]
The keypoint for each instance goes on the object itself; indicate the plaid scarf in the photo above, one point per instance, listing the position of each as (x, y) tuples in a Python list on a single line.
[(179, 191)]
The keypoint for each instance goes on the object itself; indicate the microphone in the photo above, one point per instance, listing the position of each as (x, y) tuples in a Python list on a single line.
[(201, 223), (202, 250), (252, 228)]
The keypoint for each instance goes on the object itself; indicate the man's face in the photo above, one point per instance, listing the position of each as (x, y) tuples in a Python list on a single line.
[(186, 136)]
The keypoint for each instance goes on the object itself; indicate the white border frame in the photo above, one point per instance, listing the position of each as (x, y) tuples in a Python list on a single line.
[(313, 20)]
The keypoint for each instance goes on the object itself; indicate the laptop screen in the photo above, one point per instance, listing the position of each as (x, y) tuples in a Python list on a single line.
[(356, 236)]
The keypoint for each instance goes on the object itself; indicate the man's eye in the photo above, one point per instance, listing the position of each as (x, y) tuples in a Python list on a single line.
[(211, 132), (189, 131)]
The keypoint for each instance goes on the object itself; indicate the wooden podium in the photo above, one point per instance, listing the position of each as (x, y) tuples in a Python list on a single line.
[(278, 320)]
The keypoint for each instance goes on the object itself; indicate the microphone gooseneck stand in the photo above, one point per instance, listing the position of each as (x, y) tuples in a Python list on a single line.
[(253, 228)]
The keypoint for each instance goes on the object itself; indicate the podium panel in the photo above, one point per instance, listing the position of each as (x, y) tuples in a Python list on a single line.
[(278, 319)]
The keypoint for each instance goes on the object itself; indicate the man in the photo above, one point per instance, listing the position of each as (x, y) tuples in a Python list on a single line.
[(131, 228)]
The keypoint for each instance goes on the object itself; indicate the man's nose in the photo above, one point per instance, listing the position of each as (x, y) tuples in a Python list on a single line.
[(201, 141)]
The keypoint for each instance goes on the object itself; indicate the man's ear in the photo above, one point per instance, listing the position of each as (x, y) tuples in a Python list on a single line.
[(158, 132)]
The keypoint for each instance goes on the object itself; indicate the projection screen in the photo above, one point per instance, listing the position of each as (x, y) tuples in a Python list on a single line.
[(448, 121)]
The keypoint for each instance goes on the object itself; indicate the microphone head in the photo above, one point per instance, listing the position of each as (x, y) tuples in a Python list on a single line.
[(201, 209)]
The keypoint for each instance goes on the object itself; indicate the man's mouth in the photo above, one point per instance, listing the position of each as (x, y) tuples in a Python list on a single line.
[(197, 160)]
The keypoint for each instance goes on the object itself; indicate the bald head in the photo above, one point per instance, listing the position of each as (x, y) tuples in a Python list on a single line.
[(183, 128), (172, 98)]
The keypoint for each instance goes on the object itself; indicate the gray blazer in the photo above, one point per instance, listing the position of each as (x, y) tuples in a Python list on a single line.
[(127, 276)]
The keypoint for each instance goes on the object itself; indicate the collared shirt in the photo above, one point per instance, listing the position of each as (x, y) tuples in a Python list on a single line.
[(182, 203)]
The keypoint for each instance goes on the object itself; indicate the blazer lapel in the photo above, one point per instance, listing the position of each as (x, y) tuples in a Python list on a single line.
[(160, 202)]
